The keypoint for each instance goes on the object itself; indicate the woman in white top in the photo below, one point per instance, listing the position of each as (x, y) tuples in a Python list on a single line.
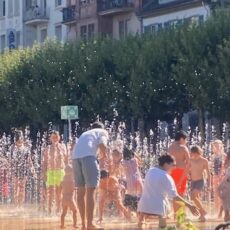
[(158, 188)]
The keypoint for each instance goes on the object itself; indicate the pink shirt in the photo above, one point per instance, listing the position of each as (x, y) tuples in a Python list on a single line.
[(133, 177)]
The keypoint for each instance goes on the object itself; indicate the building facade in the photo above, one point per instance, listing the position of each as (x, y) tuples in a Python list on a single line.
[(158, 14), (11, 26), (112, 18), (43, 19), (24, 22)]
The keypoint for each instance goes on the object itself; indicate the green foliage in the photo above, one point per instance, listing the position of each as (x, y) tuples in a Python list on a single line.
[(154, 76), (182, 223)]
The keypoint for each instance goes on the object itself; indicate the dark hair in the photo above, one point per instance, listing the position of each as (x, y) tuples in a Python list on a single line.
[(18, 135), (165, 159), (127, 154), (180, 134), (97, 125), (196, 149), (104, 174), (54, 132)]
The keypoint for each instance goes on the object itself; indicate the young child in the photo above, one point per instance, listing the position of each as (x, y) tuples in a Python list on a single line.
[(116, 169), (133, 179), (224, 191), (68, 194), (109, 188), (4, 186), (198, 167), (217, 165)]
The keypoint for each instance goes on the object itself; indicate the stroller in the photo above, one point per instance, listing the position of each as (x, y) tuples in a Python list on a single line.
[(223, 226)]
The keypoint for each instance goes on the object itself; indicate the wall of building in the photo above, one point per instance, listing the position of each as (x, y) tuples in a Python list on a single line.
[(12, 21), (196, 11), (133, 24)]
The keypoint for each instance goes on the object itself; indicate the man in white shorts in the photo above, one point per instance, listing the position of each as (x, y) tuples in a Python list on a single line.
[(86, 170), (158, 188)]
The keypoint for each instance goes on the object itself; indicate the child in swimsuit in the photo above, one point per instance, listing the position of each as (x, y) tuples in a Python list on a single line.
[(109, 188), (217, 166), (68, 195), (198, 167), (54, 159), (133, 179), (224, 191)]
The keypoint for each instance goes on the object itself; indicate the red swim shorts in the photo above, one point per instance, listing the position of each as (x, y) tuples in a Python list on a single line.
[(177, 174)]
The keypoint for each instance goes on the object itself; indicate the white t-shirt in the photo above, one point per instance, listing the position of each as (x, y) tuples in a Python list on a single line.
[(158, 188), (88, 142)]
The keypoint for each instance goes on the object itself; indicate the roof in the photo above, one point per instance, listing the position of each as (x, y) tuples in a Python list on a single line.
[(151, 7)]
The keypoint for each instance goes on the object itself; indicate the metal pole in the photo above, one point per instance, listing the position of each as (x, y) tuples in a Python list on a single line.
[(70, 129)]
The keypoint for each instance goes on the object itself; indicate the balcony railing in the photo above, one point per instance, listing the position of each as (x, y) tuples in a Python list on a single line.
[(69, 14), (106, 7), (36, 15)]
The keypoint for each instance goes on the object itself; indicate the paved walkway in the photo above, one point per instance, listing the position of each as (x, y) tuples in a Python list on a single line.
[(31, 219)]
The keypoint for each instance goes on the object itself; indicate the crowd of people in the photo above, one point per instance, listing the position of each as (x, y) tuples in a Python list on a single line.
[(72, 177)]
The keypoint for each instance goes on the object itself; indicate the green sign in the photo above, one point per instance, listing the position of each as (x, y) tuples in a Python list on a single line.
[(69, 112)]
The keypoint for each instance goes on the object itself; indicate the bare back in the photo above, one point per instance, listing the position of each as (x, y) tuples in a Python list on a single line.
[(198, 167), (180, 153), (68, 186)]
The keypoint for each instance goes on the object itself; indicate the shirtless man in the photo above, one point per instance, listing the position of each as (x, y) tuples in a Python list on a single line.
[(198, 167), (55, 157), (180, 152)]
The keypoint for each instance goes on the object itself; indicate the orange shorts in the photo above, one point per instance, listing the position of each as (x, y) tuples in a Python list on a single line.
[(176, 174)]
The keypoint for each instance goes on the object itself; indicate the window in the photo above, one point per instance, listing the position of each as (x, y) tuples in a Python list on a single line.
[(58, 32), (83, 31), (16, 8), (2, 8), (83, 2), (58, 3), (29, 4), (18, 39), (201, 19), (43, 35), (90, 31), (2, 42), (123, 28), (10, 8)]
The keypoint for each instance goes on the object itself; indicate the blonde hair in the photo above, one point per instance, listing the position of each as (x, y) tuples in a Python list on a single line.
[(218, 142)]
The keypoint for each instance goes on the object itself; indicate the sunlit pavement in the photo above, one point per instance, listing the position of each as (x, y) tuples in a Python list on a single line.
[(31, 219)]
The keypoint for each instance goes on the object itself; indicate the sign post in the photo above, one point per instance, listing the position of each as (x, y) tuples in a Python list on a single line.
[(69, 112)]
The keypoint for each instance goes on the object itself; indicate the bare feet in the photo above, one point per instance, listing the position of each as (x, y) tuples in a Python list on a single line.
[(94, 227), (140, 225), (99, 221), (202, 219)]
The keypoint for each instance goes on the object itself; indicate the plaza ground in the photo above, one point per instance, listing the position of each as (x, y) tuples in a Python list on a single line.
[(30, 218)]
